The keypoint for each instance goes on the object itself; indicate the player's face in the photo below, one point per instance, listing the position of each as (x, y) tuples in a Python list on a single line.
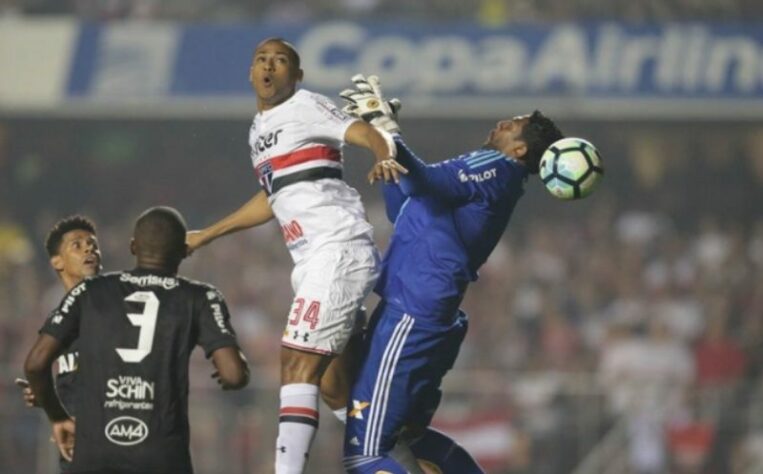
[(273, 74), (506, 137), (78, 256)]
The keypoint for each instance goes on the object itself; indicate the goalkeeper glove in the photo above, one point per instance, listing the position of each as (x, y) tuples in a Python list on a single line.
[(367, 102)]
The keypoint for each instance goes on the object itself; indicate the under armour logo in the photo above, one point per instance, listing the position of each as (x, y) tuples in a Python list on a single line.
[(296, 335), (282, 449), (305, 336)]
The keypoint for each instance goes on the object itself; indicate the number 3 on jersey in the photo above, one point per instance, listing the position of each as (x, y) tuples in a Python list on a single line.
[(146, 320), (310, 315)]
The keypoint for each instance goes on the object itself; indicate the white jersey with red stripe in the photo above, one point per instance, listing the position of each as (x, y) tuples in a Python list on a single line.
[(296, 153)]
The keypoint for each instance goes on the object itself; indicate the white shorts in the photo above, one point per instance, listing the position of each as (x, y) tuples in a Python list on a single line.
[(329, 289)]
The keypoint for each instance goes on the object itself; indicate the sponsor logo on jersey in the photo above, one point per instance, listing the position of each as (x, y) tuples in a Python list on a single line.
[(129, 393), (292, 231), (69, 301), (264, 142), (68, 363), (56, 318), (167, 283), (217, 313), (126, 431), (477, 177)]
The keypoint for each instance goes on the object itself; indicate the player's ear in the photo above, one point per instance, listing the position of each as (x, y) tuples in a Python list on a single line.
[(299, 75), (132, 247), (57, 263), (519, 150)]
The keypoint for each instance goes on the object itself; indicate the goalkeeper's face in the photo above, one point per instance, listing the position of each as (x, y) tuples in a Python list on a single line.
[(506, 137), (274, 74)]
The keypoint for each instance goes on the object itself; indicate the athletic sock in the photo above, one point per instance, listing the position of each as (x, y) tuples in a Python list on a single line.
[(297, 424), (341, 414)]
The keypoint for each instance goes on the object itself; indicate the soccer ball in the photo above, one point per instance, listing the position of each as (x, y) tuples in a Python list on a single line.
[(570, 168)]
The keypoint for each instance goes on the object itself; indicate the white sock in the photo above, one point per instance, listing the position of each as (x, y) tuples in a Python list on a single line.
[(341, 414), (297, 424)]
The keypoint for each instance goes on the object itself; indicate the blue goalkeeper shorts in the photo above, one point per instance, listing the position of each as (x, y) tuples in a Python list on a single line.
[(399, 382)]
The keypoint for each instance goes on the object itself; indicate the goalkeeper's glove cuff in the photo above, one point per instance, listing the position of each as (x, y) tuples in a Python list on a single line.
[(386, 123)]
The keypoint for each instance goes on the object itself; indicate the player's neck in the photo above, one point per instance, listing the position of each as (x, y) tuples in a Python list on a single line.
[(69, 281), (158, 266), (265, 105)]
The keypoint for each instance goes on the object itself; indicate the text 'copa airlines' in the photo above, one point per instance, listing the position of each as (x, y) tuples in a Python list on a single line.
[(608, 59)]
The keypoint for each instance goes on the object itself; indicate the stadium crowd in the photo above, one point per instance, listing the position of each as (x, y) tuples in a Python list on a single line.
[(490, 12), (638, 310)]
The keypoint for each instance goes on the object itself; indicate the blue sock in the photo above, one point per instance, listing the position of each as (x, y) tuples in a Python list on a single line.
[(437, 448)]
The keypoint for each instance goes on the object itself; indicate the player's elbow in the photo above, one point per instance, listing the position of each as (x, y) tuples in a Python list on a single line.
[(36, 364)]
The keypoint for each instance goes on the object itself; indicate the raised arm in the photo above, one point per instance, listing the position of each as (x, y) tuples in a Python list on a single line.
[(255, 212), (381, 145), (445, 180)]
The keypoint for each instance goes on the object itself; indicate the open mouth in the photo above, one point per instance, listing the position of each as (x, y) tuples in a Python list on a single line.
[(267, 81)]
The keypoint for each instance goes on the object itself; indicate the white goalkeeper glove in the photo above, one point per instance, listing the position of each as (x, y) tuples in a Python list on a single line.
[(367, 102)]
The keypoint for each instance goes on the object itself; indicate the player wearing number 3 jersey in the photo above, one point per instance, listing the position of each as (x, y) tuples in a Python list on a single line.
[(135, 332)]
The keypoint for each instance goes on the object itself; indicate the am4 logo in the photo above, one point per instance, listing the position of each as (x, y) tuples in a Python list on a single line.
[(309, 315)]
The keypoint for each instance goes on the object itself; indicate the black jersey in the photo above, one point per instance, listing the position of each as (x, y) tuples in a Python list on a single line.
[(135, 331), (67, 375)]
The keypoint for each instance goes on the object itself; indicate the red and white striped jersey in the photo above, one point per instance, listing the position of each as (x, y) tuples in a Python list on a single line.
[(296, 153)]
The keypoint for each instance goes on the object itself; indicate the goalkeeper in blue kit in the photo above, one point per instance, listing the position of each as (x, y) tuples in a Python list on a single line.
[(448, 218)]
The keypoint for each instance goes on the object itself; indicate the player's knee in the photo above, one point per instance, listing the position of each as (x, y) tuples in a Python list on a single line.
[(334, 396)]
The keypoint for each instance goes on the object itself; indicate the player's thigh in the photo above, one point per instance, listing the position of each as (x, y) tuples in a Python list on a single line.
[(337, 382), (329, 289)]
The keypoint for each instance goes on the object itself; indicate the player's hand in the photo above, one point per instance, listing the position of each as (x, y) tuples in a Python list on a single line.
[(386, 170), (63, 434), (29, 398), (367, 102), (223, 385), (193, 240)]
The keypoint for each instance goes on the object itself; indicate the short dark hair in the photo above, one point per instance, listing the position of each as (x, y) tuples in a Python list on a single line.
[(292, 50), (64, 226), (538, 133), (160, 231)]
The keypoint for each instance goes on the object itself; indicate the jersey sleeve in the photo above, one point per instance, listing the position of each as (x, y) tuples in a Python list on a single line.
[(481, 175), (214, 327), (394, 199), (63, 322), (324, 118)]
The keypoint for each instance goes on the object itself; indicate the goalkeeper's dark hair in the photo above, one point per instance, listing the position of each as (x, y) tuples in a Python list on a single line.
[(295, 59), (538, 133), (64, 226), (160, 232)]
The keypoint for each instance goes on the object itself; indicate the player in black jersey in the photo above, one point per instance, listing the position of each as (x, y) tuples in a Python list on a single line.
[(72, 247), (136, 330)]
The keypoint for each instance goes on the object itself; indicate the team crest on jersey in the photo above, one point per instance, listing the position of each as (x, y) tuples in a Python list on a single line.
[(265, 174)]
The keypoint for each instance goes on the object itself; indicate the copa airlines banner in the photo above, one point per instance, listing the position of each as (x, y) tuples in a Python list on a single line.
[(603, 70)]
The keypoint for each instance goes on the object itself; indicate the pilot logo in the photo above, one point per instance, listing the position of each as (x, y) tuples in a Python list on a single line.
[(126, 431)]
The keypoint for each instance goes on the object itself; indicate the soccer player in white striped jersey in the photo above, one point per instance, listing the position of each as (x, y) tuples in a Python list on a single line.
[(296, 140)]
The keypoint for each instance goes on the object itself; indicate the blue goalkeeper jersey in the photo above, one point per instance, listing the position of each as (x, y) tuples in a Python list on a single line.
[(448, 218)]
